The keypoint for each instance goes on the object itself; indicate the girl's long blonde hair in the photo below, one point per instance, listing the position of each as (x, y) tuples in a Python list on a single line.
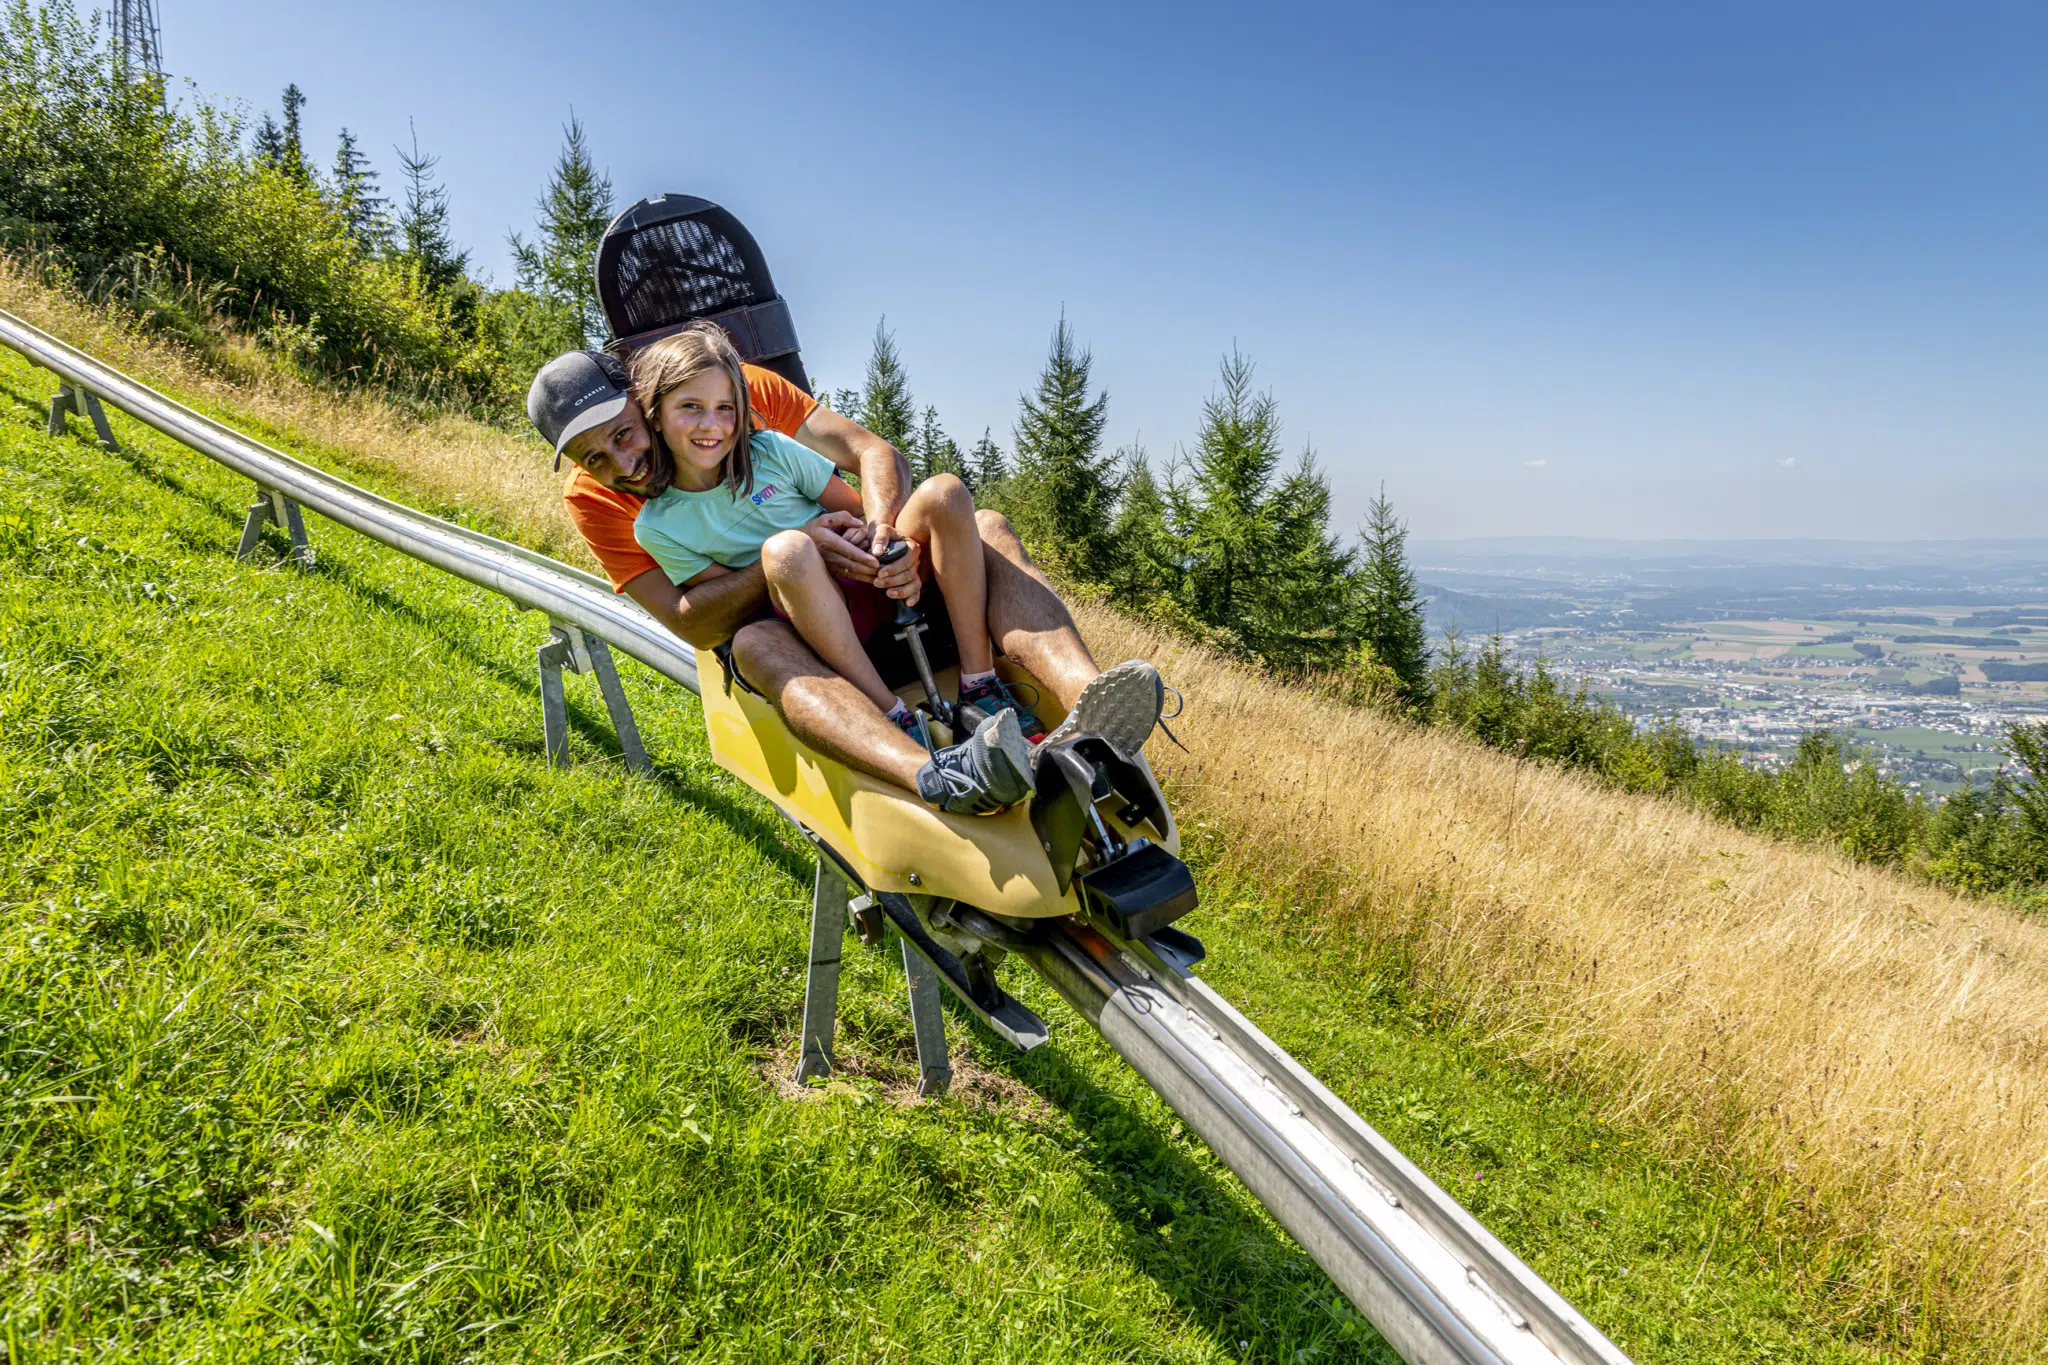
[(677, 359)]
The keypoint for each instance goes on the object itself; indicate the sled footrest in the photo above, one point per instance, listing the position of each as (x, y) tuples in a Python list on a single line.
[(1140, 893)]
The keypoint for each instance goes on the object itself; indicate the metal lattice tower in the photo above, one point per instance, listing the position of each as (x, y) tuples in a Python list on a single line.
[(137, 43)]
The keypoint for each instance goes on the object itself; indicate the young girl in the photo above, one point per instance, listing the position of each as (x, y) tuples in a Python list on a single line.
[(741, 496)]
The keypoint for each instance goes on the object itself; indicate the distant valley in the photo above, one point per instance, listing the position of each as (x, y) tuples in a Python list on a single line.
[(1922, 651)]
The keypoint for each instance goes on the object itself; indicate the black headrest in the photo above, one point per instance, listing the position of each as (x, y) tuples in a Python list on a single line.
[(670, 261)]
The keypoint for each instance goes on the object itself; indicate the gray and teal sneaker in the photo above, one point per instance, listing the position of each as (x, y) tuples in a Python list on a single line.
[(988, 773), (991, 695), (1121, 705), (912, 723)]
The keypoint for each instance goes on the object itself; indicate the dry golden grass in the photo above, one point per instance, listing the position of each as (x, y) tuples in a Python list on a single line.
[(1875, 1044), (455, 460), (1872, 1048)]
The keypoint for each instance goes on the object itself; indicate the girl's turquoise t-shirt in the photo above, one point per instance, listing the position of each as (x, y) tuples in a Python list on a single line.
[(688, 532)]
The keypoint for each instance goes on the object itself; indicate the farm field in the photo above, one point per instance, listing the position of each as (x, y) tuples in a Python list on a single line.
[(1759, 683)]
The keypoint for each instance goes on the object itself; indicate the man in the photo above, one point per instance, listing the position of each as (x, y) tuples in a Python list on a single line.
[(582, 403)]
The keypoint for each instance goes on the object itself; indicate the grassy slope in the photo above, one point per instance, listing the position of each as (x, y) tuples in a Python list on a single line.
[(335, 1023)]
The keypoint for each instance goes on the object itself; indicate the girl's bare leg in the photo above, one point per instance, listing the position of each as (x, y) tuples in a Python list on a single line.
[(801, 585), (939, 516)]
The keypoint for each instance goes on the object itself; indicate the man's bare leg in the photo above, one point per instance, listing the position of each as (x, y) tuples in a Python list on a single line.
[(823, 709), (1026, 616)]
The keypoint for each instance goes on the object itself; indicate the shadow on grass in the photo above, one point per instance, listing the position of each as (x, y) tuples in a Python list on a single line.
[(1226, 1267), (129, 452), (748, 818)]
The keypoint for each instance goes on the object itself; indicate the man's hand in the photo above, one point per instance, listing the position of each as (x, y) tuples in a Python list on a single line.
[(843, 539), (898, 579)]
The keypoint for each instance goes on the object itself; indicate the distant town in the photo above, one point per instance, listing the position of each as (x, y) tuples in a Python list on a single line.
[(1921, 654)]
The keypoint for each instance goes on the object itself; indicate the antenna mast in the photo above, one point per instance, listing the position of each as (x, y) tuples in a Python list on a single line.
[(137, 43)]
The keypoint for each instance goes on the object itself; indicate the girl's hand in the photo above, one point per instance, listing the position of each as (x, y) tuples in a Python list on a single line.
[(899, 579), (841, 539)]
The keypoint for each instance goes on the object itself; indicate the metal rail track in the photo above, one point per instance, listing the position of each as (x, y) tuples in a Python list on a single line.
[(1436, 1284)]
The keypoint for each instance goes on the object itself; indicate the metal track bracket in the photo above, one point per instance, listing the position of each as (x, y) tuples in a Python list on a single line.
[(273, 508), (568, 647), (72, 398), (927, 1022), (831, 912), (829, 908)]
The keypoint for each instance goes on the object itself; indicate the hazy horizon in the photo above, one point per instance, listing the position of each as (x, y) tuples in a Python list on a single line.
[(2037, 544)]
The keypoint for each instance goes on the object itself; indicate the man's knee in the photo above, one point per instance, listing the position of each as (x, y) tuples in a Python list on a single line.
[(787, 554), (759, 642), (994, 526)]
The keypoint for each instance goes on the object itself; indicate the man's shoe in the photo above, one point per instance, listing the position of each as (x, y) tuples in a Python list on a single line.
[(1121, 705), (991, 695), (988, 773)]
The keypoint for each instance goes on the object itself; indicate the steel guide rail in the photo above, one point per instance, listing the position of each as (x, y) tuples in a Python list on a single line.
[(530, 579), (1434, 1282)]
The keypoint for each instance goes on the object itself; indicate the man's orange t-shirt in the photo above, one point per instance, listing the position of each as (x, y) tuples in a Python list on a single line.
[(606, 518)]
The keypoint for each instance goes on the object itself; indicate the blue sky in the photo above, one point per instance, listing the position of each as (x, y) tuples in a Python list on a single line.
[(1615, 269)]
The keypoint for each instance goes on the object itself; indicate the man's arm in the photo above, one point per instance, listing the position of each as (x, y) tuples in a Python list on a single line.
[(708, 610), (884, 479), (711, 607)]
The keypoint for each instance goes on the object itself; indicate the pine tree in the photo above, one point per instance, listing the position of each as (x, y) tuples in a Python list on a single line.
[(1300, 617), (1064, 488), (267, 148), (886, 407), (937, 453), (559, 265), (356, 198), (1390, 606), (1145, 567), (2027, 791), (423, 222), (986, 464), (291, 146), (1227, 518)]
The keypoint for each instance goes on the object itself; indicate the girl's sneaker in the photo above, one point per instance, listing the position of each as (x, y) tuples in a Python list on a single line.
[(991, 695), (1121, 705), (989, 773), (913, 723)]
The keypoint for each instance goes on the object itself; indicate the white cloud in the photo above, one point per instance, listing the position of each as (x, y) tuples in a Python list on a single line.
[(1787, 462), (1534, 464)]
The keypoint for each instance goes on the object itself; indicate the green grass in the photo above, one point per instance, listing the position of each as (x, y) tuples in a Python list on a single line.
[(334, 1025)]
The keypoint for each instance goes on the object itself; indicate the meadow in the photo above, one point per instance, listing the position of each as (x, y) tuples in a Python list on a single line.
[(337, 1025)]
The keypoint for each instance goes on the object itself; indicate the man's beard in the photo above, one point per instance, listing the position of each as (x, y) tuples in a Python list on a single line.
[(661, 468)]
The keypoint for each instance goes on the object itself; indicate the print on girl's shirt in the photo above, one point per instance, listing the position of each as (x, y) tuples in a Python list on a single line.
[(768, 490)]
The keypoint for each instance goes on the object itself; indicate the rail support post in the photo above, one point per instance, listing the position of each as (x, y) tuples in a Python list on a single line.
[(273, 508), (829, 907), (72, 399), (568, 646), (927, 1022)]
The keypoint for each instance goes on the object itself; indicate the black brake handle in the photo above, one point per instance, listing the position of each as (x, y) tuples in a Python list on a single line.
[(906, 612)]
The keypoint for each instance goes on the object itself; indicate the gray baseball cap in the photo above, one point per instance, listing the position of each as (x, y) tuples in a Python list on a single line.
[(574, 392)]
